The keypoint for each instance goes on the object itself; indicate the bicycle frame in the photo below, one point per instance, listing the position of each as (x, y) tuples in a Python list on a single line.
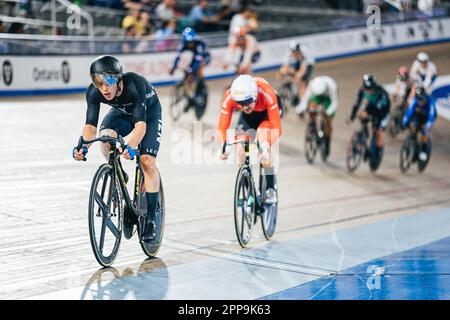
[(118, 174)]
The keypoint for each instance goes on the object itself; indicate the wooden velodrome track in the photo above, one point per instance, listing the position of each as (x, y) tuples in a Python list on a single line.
[(44, 243)]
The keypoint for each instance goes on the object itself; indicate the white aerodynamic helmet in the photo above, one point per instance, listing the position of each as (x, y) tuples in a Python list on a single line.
[(295, 46), (318, 86), (244, 89), (422, 57)]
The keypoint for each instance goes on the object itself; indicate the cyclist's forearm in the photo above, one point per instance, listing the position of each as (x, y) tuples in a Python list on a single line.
[(89, 133), (138, 134)]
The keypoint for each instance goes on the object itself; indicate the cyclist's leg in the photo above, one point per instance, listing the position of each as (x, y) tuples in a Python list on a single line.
[(149, 148), (265, 137), (113, 124)]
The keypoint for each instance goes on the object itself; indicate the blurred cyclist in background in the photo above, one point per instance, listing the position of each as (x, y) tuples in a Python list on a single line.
[(423, 71), (260, 118), (403, 85), (243, 51), (375, 105), (135, 109), (422, 114), (298, 63), (200, 58), (321, 93)]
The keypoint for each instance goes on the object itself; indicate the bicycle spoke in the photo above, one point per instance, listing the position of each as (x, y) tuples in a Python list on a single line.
[(102, 205), (112, 227), (102, 234), (105, 182)]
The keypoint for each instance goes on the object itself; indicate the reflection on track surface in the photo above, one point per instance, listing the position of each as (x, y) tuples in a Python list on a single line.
[(45, 250)]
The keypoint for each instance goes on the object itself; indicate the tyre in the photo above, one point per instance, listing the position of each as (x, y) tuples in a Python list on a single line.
[(177, 101), (285, 92), (244, 206), (394, 127), (151, 248), (421, 165), (310, 144), (269, 215), (200, 103), (406, 154), (105, 215), (354, 152)]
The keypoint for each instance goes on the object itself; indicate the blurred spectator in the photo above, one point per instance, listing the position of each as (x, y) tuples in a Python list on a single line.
[(128, 46), (167, 29), (234, 5), (132, 4), (142, 25), (244, 19), (165, 34), (131, 19), (166, 10), (16, 27), (425, 5), (201, 16), (2, 27)]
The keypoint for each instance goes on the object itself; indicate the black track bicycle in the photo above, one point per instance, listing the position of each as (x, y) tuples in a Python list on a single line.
[(111, 211), (410, 151), (288, 92), (395, 123), (315, 137), (250, 203), (358, 149), (184, 96)]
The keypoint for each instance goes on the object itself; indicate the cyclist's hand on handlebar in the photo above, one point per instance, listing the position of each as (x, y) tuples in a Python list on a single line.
[(79, 154), (128, 153), (223, 156)]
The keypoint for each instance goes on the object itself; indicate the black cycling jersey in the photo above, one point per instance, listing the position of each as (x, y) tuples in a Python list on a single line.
[(138, 102), (378, 104), (138, 99)]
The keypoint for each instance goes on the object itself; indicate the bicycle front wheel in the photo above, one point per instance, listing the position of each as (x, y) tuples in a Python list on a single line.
[(406, 154), (105, 215), (310, 144), (354, 153), (177, 101), (244, 206)]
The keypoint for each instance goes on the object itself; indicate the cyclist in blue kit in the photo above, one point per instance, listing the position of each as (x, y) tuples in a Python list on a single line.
[(136, 109)]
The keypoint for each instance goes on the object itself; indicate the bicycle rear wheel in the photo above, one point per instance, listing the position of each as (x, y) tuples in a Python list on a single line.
[(105, 215), (406, 154), (269, 216), (177, 101), (354, 152), (244, 206), (152, 247)]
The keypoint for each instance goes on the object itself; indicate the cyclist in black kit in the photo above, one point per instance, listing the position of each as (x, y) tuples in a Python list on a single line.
[(135, 107)]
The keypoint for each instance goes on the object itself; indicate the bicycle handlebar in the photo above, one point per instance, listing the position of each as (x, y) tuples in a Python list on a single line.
[(225, 144), (105, 139)]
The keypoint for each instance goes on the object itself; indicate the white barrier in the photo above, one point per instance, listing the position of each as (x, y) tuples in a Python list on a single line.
[(29, 75)]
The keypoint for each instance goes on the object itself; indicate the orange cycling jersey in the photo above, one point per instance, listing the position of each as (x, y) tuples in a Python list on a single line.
[(265, 100)]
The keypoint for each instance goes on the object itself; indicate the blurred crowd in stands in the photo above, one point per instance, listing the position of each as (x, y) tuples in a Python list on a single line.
[(161, 19)]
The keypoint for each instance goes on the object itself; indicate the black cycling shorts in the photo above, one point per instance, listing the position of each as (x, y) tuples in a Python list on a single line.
[(249, 123), (123, 124), (308, 73)]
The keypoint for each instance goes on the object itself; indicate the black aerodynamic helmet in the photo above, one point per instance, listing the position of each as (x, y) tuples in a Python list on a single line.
[(369, 81), (106, 69), (421, 93)]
